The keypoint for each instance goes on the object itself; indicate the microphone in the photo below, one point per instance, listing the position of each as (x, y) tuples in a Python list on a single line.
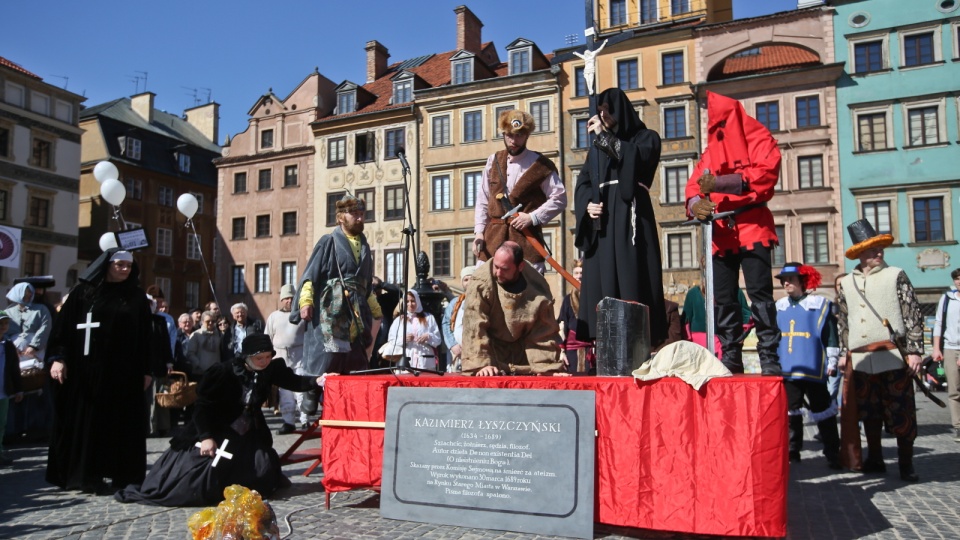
[(403, 158)]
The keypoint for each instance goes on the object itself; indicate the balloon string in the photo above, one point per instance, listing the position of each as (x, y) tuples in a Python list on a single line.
[(196, 237), (119, 217)]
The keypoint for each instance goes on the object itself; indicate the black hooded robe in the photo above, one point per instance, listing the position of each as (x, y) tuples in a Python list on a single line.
[(99, 430), (621, 252)]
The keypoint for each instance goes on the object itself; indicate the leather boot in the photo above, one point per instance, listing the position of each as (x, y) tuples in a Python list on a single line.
[(795, 426), (730, 333), (905, 459), (874, 462), (830, 437), (768, 337)]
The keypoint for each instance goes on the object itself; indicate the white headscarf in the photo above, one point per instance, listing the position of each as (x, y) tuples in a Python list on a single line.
[(18, 291), (416, 296)]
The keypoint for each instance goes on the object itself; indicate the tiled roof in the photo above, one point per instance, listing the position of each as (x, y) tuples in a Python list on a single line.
[(16, 67), (765, 59)]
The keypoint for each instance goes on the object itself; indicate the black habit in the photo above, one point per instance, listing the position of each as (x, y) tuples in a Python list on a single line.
[(621, 248)]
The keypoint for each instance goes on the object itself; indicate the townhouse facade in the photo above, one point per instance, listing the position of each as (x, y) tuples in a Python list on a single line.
[(159, 156), (39, 177)]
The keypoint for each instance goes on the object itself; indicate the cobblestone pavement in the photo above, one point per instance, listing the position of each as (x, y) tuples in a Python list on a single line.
[(823, 504)]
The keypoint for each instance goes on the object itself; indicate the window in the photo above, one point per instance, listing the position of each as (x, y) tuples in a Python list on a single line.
[(193, 247), (165, 196), (582, 139), (472, 126), (540, 111), (130, 147), (779, 254), (868, 56), (291, 175), (618, 12), (346, 102), (14, 94), (4, 204), (648, 11), (393, 195), (369, 200), (440, 130), (239, 228), (808, 111), (134, 188), (289, 223), (40, 103), (872, 132), (393, 265), (441, 258), (469, 259), (678, 7), (878, 214), (463, 71), (337, 152), (471, 183), (674, 122), (42, 153), (199, 197), (580, 83), (263, 226), (394, 139), (183, 162), (164, 242), (520, 61), (288, 273), (672, 68), (675, 184), (928, 219), (191, 295), (402, 91), (810, 171), (264, 179), (4, 142), (34, 263), (924, 125), (768, 114), (39, 212), (365, 144), (496, 119), (680, 250), (262, 282), (237, 285), (440, 189), (240, 182), (627, 78), (918, 49), (815, 246), (332, 199)]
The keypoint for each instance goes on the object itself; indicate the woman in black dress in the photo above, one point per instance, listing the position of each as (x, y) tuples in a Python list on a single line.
[(227, 418)]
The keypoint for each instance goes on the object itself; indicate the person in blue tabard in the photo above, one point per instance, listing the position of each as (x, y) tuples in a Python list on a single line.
[(808, 352)]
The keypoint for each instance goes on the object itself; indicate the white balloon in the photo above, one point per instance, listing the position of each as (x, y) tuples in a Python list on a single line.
[(108, 240), (105, 170), (113, 191), (188, 205)]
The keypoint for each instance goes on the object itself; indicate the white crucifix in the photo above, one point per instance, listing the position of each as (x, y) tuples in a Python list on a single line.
[(220, 452), (90, 325)]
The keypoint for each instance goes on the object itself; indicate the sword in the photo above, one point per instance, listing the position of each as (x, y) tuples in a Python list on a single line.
[(896, 339), (537, 245)]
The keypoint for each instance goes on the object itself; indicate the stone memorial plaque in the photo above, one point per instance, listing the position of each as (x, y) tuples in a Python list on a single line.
[(514, 460)]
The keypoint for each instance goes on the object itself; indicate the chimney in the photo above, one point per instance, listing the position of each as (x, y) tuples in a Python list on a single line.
[(142, 104), (468, 30), (377, 56), (206, 118)]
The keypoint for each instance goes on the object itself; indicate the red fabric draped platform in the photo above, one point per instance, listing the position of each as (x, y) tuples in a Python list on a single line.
[(667, 457)]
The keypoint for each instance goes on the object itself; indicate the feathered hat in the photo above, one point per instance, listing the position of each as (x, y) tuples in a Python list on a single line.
[(809, 276), (515, 122), (864, 237)]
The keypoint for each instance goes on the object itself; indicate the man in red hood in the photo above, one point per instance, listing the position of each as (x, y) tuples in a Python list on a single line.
[(739, 171)]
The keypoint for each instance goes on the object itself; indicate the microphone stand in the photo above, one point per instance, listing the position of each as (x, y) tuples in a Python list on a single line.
[(408, 232)]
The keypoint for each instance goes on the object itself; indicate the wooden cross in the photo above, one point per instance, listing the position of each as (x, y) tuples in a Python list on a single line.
[(90, 325), (791, 334), (220, 452)]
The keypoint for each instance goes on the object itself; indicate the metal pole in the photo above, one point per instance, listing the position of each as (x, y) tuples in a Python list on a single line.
[(709, 300)]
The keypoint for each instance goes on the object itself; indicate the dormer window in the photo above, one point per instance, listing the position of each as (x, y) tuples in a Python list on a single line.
[(403, 91), (129, 147), (520, 61), (183, 162), (463, 71), (347, 102)]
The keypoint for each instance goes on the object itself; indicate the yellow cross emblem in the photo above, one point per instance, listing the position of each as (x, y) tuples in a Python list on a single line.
[(791, 334)]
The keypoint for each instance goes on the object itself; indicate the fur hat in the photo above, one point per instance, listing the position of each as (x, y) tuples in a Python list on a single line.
[(349, 203), (515, 122), (256, 344), (864, 237)]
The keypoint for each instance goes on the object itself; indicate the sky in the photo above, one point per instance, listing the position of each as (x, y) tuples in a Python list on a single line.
[(234, 51)]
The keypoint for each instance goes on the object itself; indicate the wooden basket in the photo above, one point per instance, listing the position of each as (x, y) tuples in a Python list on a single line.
[(182, 392)]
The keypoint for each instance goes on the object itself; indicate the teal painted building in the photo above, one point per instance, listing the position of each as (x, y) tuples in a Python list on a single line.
[(898, 110)]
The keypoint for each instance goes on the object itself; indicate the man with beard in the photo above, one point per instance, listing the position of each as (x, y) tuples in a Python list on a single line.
[(509, 327), (516, 176), (334, 297)]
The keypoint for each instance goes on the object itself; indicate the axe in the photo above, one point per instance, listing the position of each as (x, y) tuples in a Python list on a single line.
[(537, 245)]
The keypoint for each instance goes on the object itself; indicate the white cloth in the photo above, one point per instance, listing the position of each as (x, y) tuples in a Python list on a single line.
[(422, 355), (684, 359)]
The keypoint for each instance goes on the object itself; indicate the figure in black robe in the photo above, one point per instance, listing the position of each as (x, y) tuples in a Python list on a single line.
[(228, 407), (622, 247), (99, 409)]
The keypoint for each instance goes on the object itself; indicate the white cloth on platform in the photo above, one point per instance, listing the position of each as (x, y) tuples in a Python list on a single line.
[(684, 359)]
